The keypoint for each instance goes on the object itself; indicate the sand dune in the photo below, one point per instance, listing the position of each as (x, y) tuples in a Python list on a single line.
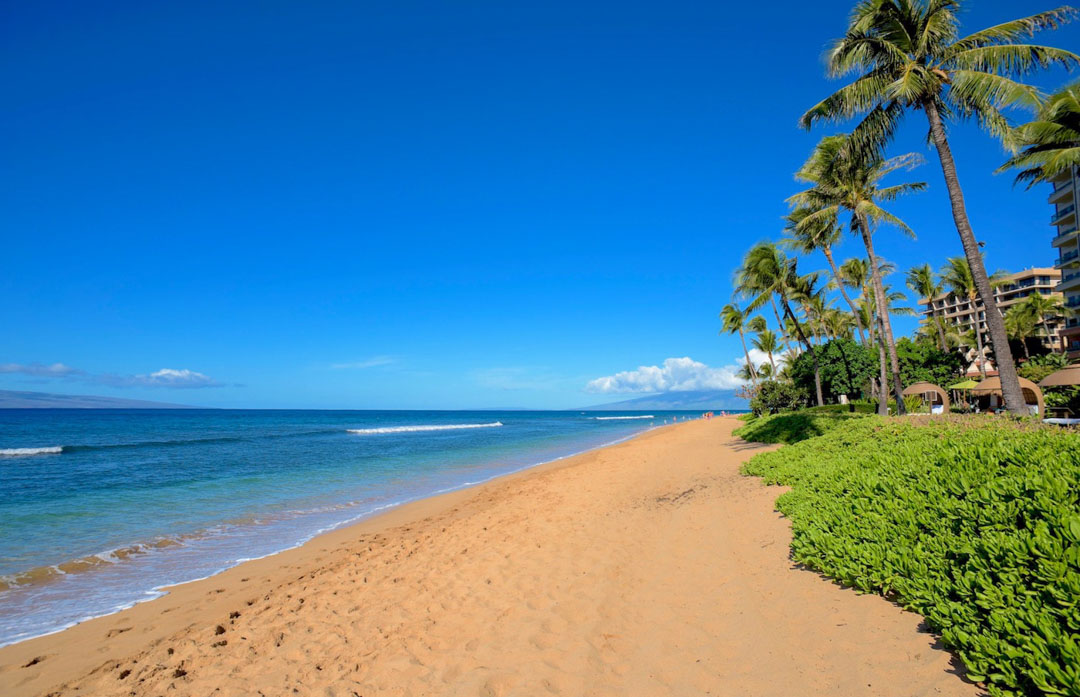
[(646, 568)]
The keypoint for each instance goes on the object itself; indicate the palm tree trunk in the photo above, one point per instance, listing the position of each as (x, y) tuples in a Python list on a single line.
[(999, 340), (779, 323), (882, 314), (883, 379), (940, 330), (773, 364), (979, 344), (749, 363), (809, 347), (843, 291)]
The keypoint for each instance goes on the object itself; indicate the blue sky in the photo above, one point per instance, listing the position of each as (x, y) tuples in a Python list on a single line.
[(418, 205)]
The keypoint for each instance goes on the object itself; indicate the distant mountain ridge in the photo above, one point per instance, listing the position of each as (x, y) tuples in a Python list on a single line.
[(12, 399), (704, 400)]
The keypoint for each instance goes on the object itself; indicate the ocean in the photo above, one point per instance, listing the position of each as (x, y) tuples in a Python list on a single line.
[(100, 509)]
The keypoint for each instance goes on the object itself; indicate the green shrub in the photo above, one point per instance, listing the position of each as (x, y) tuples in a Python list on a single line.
[(775, 396), (973, 522), (796, 426)]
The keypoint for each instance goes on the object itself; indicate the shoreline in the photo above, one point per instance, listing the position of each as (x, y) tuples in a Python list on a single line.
[(648, 566), (161, 590)]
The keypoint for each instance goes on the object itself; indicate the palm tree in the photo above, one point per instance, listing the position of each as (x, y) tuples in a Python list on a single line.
[(844, 178), (1042, 306), (908, 55), (734, 321), (1020, 324), (957, 276), (767, 275), (1052, 141), (823, 235), (767, 343), (921, 280)]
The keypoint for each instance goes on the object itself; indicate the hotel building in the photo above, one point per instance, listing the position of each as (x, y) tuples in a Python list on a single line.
[(1065, 199), (961, 314)]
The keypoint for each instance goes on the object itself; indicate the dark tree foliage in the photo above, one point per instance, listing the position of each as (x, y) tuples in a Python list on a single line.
[(775, 396), (846, 368), (923, 361)]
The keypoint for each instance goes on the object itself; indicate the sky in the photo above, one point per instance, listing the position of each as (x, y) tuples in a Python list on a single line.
[(423, 205)]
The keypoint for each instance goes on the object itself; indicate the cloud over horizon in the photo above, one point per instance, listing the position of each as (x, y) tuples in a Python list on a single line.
[(166, 377), (675, 375), (373, 362)]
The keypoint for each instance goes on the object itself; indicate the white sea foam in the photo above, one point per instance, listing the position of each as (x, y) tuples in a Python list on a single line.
[(622, 418), (25, 452), (410, 429)]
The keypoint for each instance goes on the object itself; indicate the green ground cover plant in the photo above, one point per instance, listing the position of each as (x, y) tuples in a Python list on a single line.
[(973, 522), (795, 426)]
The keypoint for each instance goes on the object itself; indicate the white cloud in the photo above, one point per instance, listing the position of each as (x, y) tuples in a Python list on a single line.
[(40, 370), (757, 357), (166, 377), (675, 375), (373, 362)]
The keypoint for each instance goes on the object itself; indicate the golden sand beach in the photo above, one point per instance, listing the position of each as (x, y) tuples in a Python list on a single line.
[(650, 567)]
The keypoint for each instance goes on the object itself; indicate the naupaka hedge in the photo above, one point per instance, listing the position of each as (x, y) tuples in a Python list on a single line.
[(972, 522)]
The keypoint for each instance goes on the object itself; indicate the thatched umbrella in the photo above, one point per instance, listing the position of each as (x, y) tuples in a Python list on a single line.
[(926, 388), (1062, 378), (993, 386)]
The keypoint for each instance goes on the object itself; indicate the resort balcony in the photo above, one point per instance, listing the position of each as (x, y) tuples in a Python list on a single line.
[(1062, 190), (1069, 282), (1068, 259), (1065, 236), (1065, 216)]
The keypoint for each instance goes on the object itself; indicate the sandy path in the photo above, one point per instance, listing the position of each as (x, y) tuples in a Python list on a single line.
[(646, 568)]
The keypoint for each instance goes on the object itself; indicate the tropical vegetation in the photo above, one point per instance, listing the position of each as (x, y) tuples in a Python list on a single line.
[(974, 524)]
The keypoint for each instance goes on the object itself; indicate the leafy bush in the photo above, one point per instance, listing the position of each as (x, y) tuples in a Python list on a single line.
[(1040, 366), (973, 522), (846, 368), (795, 426), (923, 361), (774, 396)]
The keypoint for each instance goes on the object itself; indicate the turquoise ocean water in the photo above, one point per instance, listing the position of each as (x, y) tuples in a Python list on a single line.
[(101, 508)]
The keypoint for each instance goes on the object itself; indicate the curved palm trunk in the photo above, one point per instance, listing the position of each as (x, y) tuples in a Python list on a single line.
[(773, 364), (884, 324), (843, 291), (779, 324), (749, 363), (809, 347), (999, 340)]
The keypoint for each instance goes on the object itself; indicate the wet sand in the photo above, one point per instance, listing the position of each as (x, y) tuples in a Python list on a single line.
[(650, 567)]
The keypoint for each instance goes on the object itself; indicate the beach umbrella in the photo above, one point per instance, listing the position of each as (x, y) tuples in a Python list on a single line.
[(964, 385), (1063, 377)]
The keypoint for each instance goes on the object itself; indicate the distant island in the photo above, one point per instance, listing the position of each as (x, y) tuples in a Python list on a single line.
[(704, 400), (11, 399)]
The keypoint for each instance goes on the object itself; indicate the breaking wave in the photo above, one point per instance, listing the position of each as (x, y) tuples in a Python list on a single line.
[(410, 429), (622, 418), (26, 452)]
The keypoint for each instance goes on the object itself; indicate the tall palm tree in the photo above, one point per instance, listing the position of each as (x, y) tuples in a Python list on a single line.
[(734, 321), (908, 55), (767, 274), (922, 281), (822, 235), (1052, 141), (766, 342), (844, 178), (957, 277)]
